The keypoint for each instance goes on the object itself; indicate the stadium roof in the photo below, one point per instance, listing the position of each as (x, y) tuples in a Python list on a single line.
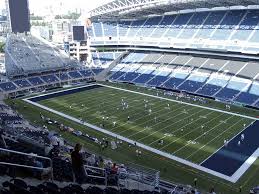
[(130, 9)]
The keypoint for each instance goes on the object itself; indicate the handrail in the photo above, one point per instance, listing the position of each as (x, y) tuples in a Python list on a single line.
[(26, 166), (97, 168)]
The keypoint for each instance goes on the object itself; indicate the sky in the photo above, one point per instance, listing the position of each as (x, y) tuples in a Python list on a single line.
[(40, 7)]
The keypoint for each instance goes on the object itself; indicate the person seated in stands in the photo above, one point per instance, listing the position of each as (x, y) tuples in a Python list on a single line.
[(114, 169), (36, 163), (54, 140), (78, 164), (54, 152), (122, 169), (101, 162), (2, 140), (3, 154), (113, 176), (92, 160)]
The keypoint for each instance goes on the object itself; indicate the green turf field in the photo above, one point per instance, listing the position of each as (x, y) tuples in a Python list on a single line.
[(189, 132), (169, 169)]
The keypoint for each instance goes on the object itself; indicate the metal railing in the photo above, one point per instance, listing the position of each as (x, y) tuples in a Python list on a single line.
[(27, 166), (99, 173)]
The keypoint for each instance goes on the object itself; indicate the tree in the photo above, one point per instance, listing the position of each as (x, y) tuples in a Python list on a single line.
[(2, 47), (58, 17)]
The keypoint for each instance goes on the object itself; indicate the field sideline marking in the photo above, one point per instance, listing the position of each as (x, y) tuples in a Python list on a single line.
[(215, 126), (229, 141), (168, 99), (191, 131), (234, 178), (213, 140), (173, 123), (156, 151)]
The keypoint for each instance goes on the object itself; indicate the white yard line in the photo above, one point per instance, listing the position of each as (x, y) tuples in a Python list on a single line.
[(213, 140), (172, 100), (156, 151), (142, 118), (170, 124), (189, 132), (201, 135), (223, 145), (161, 121), (178, 129), (234, 178)]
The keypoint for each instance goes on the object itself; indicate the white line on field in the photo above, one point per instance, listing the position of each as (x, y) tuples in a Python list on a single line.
[(168, 99), (180, 128), (234, 178), (225, 131), (201, 135)]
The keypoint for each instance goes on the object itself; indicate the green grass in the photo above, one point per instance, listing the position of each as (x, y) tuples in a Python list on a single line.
[(177, 124), (143, 128)]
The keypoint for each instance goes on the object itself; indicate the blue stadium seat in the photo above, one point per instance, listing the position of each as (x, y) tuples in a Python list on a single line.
[(86, 73), (50, 78), (35, 81), (22, 83), (63, 76), (8, 86)]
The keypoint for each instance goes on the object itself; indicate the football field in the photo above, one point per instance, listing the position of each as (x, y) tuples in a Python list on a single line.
[(186, 131)]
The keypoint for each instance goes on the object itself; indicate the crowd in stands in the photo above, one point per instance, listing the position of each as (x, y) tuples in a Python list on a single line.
[(69, 162), (222, 79)]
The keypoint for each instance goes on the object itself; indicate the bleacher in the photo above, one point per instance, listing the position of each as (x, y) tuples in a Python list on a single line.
[(104, 59), (22, 83), (232, 30), (8, 86), (63, 76), (229, 80), (27, 54), (49, 78), (75, 74), (25, 145), (35, 81)]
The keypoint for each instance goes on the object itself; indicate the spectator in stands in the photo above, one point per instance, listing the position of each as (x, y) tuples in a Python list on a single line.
[(122, 172), (54, 152), (78, 164), (101, 162), (2, 140), (92, 160), (114, 169), (3, 154), (36, 163), (54, 140), (113, 175), (122, 169)]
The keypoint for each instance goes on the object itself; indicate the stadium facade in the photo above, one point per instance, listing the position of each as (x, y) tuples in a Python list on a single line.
[(179, 58), (208, 48)]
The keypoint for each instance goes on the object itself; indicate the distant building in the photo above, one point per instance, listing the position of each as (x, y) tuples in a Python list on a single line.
[(79, 50)]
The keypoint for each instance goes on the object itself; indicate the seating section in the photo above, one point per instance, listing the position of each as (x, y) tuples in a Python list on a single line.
[(35, 81), (22, 83), (75, 74), (86, 73), (50, 78), (31, 143), (103, 59), (63, 76), (224, 29), (222, 79), (27, 54), (19, 186), (8, 86)]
